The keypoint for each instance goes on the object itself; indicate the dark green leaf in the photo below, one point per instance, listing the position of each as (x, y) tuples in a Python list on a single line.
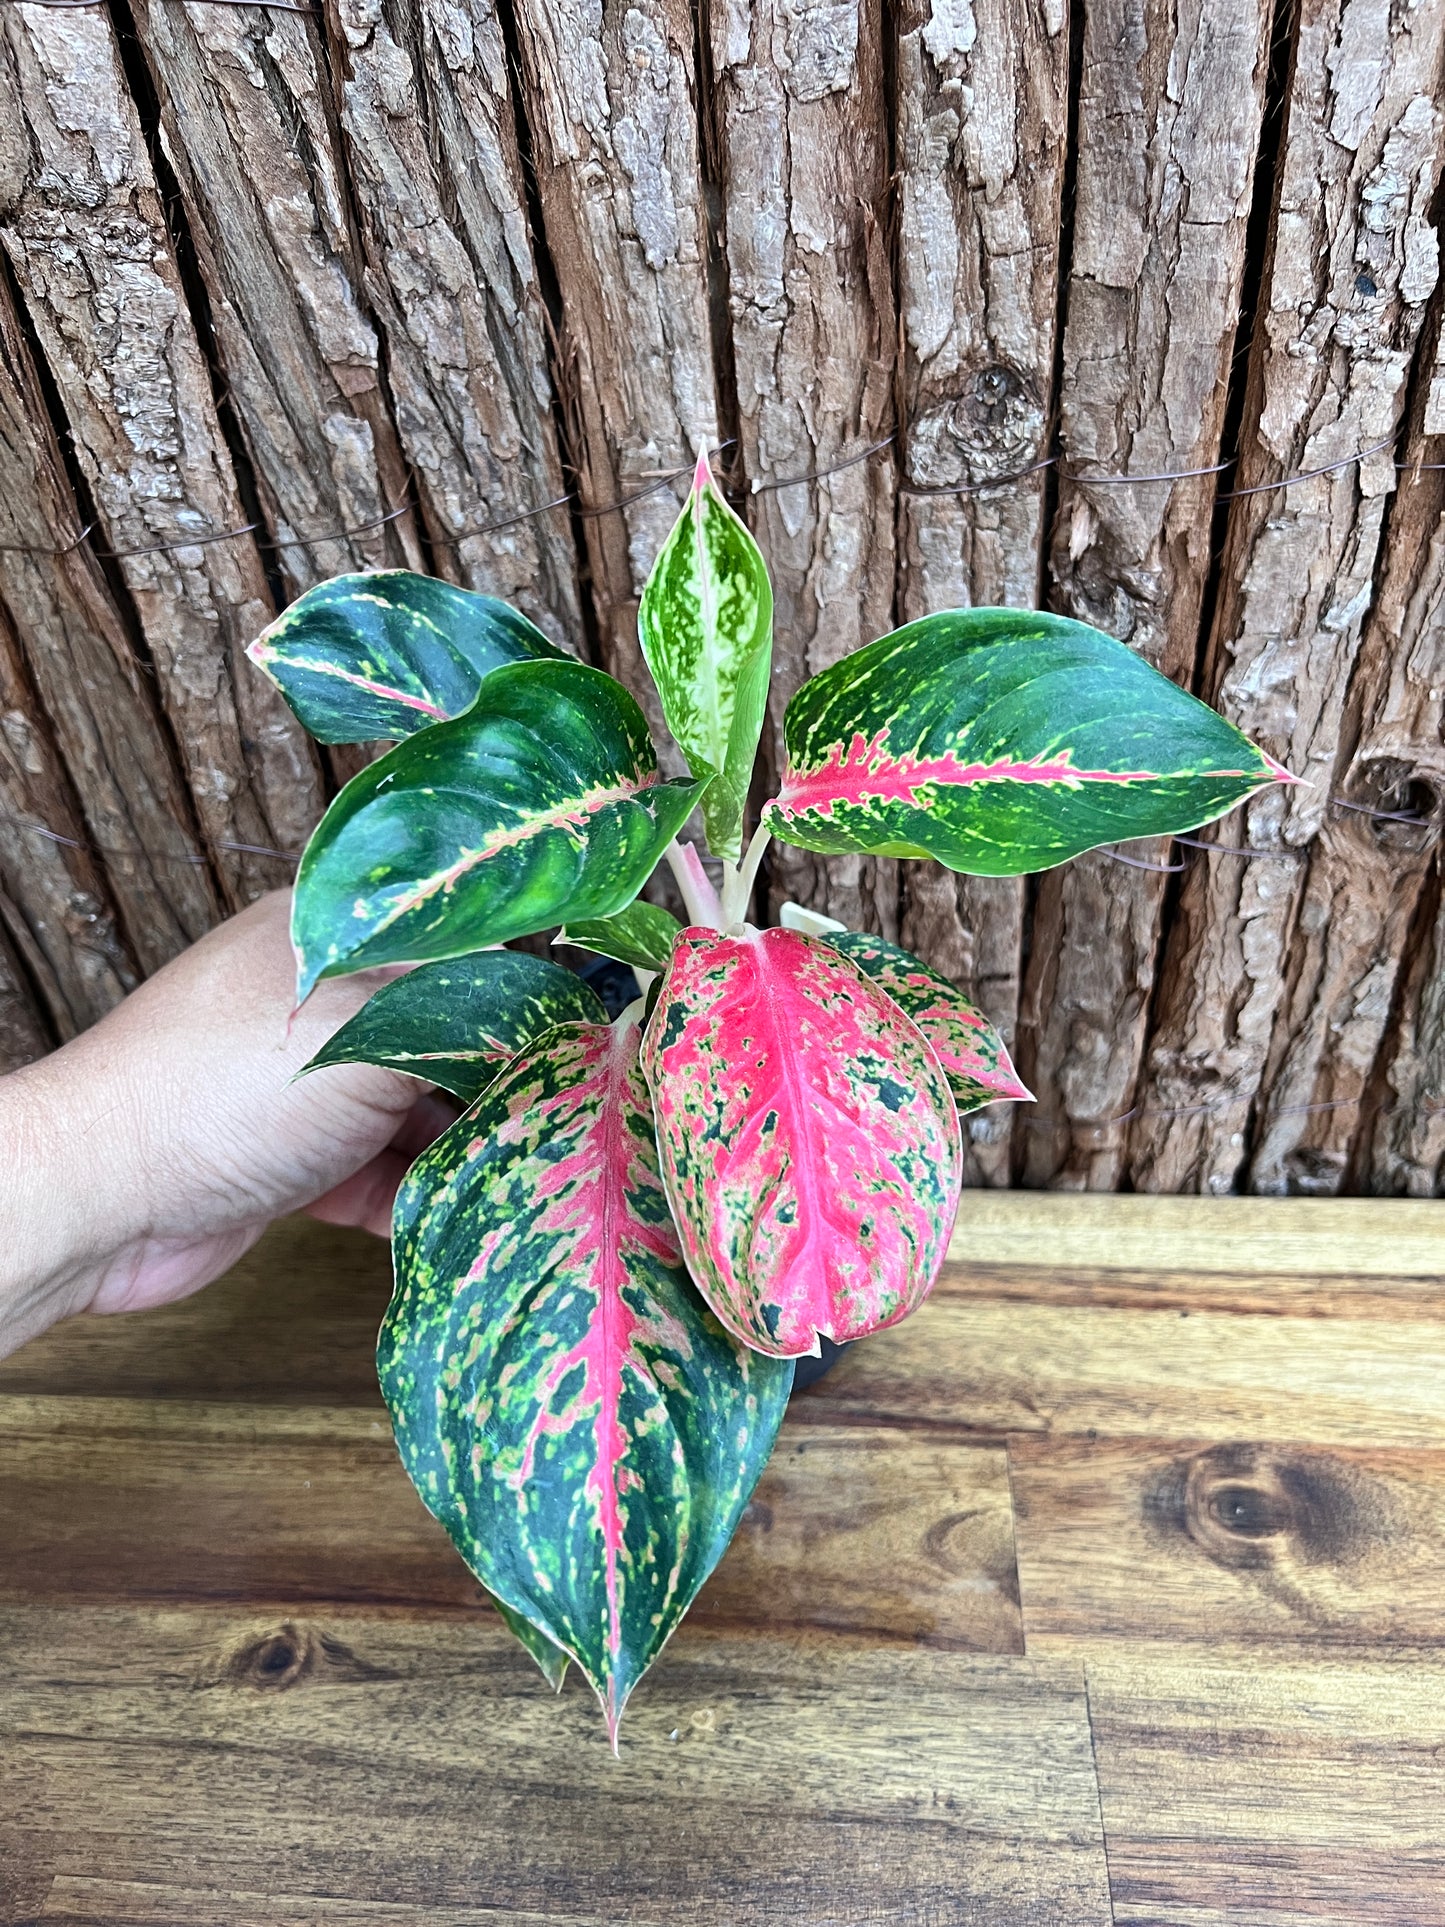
[(388, 653), (457, 1023), (540, 804), (641, 935)]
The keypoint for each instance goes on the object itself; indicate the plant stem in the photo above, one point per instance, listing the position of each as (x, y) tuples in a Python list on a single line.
[(738, 886), (698, 896)]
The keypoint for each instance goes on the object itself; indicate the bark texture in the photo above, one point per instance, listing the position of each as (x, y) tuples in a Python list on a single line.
[(1405, 1153), (1361, 890), (612, 93), (71, 645), (53, 900), (1169, 121), (247, 128), (805, 163), (431, 147), (82, 223), (23, 1032), (981, 111), (1354, 262)]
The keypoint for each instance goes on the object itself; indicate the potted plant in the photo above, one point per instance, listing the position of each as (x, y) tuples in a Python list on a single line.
[(607, 1266)]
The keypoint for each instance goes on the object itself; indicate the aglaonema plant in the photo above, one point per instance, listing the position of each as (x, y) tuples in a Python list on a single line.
[(606, 1267)]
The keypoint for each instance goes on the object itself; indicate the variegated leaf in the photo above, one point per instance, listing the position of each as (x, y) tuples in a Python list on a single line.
[(965, 1043), (641, 935), (1002, 741), (543, 802), (457, 1023), (388, 652), (706, 628), (564, 1402), (808, 1139)]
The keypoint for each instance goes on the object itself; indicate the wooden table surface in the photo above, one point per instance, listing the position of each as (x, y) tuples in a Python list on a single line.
[(1110, 1588)]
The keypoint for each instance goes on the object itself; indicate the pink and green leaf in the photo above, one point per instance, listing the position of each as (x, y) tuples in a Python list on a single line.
[(1002, 741), (543, 802), (706, 628), (566, 1405), (388, 653), (641, 935), (457, 1023), (808, 1139), (972, 1053)]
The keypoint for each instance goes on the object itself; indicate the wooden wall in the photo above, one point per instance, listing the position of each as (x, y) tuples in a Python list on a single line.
[(285, 292)]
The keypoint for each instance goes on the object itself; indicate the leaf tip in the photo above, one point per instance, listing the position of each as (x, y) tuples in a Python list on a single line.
[(702, 476), (1280, 774)]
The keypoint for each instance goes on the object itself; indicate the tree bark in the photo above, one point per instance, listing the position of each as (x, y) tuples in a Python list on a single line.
[(1404, 1153), (431, 148), (981, 109), (1169, 123), (71, 639), (55, 901), (801, 116), (23, 1033), (612, 91), (248, 131), (1353, 263), (83, 225)]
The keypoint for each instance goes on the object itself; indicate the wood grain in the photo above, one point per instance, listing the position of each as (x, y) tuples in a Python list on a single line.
[(805, 172), (1353, 264), (1170, 110), (982, 113), (82, 223)]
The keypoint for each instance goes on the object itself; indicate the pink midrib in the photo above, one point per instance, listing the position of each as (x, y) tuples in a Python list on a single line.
[(575, 812), (264, 656), (864, 774)]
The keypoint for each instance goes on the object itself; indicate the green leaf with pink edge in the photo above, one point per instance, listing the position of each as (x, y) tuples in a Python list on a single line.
[(388, 652), (641, 935), (807, 1135), (965, 1043), (706, 628), (543, 802), (564, 1402), (1002, 741)]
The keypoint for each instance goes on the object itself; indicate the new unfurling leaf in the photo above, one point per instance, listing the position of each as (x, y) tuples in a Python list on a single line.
[(808, 1139), (543, 802), (1002, 741), (388, 653), (706, 627), (563, 1400)]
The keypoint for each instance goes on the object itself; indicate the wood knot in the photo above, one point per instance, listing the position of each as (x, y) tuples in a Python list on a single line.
[(1395, 806), (1253, 1506), (292, 1654), (990, 428)]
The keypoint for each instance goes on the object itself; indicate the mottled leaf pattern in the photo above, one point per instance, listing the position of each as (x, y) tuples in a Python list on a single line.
[(1002, 741), (706, 628), (641, 935), (388, 652), (542, 803), (965, 1043), (807, 1135), (457, 1023), (565, 1404)]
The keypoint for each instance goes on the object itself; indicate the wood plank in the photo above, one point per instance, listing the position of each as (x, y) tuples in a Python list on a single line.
[(248, 129), (612, 98), (87, 240), (1170, 109), (1353, 262), (432, 161), (1136, 1541), (979, 201), (803, 149), (429, 1764), (1246, 1790), (852, 1532), (76, 650)]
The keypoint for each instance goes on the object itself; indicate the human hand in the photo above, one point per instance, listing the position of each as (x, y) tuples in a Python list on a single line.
[(144, 1157)]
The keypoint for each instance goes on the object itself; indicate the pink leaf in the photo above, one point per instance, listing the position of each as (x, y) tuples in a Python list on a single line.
[(807, 1135)]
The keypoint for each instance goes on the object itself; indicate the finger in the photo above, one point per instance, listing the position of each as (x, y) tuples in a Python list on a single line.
[(364, 1200)]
